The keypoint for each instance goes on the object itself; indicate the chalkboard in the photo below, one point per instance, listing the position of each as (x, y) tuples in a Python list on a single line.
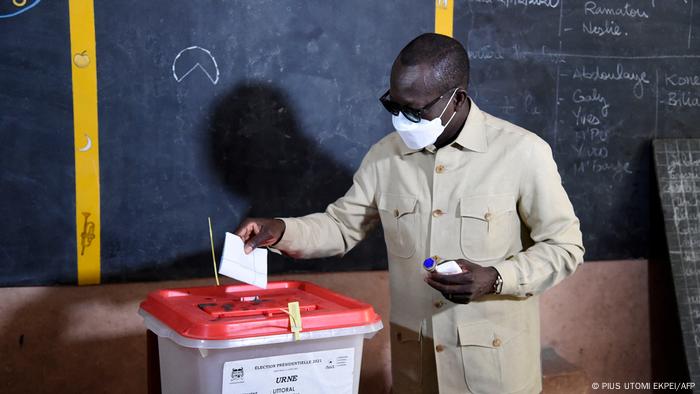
[(598, 80), (230, 109), (37, 182), (220, 108), (678, 174)]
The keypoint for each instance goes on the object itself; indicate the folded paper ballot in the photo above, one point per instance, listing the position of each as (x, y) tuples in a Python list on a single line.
[(249, 268)]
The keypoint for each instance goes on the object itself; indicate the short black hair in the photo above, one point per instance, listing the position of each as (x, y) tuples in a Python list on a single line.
[(446, 57)]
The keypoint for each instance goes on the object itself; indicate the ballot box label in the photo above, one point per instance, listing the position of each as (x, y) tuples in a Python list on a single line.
[(329, 371)]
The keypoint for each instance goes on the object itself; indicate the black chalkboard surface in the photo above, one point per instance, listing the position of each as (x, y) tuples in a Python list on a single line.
[(678, 174), (37, 182), (230, 109), (598, 80)]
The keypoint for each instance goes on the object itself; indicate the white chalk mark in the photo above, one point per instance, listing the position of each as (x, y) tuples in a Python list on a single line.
[(88, 145), (620, 57), (21, 6), (561, 15), (690, 25), (214, 80), (678, 243), (556, 104), (656, 110)]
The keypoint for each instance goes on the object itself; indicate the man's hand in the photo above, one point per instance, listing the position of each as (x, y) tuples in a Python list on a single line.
[(256, 232), (475, 281)]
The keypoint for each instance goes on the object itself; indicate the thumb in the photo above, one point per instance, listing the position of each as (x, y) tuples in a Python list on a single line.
[(254, 242)]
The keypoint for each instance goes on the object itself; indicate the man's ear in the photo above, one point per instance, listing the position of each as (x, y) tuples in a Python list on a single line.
[(461, 98)]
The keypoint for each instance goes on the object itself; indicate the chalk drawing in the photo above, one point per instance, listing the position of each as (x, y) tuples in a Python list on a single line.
[(20, 7), (88, 145), (88, 234), (81, 60), (179, 78)]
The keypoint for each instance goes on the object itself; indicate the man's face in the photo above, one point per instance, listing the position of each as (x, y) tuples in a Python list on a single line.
[(413, 86)]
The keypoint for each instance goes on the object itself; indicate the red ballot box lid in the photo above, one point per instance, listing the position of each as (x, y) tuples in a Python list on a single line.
[(243, 311)]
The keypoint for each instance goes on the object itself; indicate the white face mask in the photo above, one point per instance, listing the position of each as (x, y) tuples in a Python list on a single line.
[(421, 134)]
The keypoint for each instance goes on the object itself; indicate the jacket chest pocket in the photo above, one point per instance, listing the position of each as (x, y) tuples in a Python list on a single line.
[(495, 358), (488, 226), (398, 214)]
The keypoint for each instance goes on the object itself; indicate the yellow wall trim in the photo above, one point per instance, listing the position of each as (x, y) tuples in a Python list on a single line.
[(86, 140), (444, 16)]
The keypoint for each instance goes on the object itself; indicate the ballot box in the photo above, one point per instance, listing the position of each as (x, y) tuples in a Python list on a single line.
[(292, 337)]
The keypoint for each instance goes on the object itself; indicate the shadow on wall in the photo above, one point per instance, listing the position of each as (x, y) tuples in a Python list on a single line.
[(260, 153), (257, 150)]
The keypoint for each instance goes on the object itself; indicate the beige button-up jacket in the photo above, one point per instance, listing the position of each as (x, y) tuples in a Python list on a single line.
[(493, 197)]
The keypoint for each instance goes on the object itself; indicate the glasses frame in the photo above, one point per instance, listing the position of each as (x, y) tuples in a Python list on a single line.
[(412, 114)]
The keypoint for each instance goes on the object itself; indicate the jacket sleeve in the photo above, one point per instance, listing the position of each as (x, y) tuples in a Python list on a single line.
[(344, 223), (546, 211)]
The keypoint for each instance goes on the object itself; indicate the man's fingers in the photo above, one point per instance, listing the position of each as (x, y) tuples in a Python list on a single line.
[(247, 233), (454, 279), (443, 288), (256, 232), (247, 229), (242, 229), (252, 244), (258, 240)]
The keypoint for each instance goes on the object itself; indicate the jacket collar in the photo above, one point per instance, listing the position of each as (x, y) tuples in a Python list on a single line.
[(471, 137)]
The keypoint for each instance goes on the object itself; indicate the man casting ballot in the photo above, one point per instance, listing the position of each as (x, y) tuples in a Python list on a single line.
[(452, 183)]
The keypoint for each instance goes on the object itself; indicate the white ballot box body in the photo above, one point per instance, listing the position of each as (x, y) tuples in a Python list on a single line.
[(318, 360)]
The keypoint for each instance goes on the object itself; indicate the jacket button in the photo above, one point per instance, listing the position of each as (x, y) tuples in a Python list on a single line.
[(440, 168), (487, 216), (396, 212), (439, 348), (437, 212), (439, 304), (496, 342)]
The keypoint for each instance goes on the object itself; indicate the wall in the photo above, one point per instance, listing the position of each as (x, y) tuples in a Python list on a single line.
[(615, 319)]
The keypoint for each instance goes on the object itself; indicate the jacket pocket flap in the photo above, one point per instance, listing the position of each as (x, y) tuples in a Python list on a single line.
[(484, 333), (480, 207), (397, 204)]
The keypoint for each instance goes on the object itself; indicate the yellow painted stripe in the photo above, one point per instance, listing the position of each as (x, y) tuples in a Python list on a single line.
[(86, 140), (444, 16)]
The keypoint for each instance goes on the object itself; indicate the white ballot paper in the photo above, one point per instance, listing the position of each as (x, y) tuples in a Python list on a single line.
[(249, 268)]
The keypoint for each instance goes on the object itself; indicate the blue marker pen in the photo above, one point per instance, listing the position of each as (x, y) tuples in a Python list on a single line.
[(429, 264), (445, 267)]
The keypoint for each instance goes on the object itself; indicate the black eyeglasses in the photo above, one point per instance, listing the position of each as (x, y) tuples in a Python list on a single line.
[(412, 114)]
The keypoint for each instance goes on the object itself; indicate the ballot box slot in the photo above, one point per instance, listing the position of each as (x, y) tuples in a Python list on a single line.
[(258, 307)]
